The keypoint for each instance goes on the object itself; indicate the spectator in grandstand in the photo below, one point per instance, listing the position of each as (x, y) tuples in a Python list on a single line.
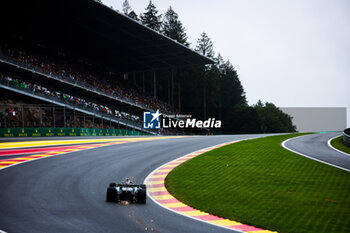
[(61, 70), (17, 83)]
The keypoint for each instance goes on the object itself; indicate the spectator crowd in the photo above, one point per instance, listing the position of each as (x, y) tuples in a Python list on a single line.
[(59, 69), (67, 99)]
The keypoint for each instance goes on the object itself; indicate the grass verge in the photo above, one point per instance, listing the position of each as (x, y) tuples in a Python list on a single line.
[(338, 144), (258, 182)]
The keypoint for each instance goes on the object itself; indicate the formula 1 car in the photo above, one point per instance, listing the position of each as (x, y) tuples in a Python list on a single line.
[(126, 191)]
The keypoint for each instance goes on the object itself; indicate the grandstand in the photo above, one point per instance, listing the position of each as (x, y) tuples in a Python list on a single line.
[(80, 64)]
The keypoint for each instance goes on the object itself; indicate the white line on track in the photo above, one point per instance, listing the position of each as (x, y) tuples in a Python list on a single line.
[(330, 145), (307, 156), (159, 204)]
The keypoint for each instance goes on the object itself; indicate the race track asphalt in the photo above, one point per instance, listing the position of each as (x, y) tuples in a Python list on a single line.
[(66, 193), (315, 146)]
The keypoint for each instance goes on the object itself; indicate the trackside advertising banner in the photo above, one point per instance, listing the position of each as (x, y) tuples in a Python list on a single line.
[(154, 120)]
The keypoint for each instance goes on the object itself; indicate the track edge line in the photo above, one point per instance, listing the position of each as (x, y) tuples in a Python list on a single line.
[(177, 212), (330, 145), (309, 157)]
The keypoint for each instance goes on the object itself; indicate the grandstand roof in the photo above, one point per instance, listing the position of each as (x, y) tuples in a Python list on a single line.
[(96, 32)]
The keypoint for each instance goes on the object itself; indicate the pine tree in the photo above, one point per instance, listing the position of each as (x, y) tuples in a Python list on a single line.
[(220, 63), (151, 18), (231, 88), (205, 46), (172, 27), (126, 7)]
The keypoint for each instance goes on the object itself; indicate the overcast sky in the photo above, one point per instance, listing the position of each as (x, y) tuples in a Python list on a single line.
[(291, 53)]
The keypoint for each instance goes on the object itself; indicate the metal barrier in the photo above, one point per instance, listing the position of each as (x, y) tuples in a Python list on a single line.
[(346, 137), (63, 132)]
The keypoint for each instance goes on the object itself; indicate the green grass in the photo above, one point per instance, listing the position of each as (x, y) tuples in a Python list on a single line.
[(258, 182), (338, 143)]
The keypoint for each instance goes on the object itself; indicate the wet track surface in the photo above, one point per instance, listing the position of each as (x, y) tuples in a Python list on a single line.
[(21, 139), (315, 146), (66, 193)]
